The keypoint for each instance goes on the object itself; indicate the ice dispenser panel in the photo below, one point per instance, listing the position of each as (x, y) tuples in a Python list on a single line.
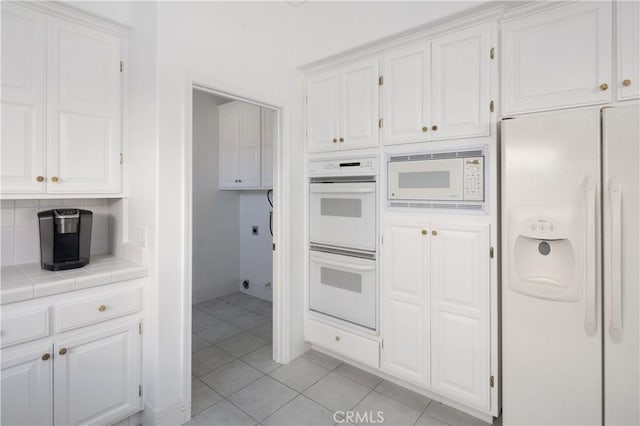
[(545, 253)]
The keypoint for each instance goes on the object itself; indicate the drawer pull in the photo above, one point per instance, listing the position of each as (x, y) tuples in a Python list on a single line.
[(434, 232), (55, 179), (425, 128), (604, 86), (424, 232), (40, 178), (102, 308), (62, 351), (337, 338), (46, 357), (626, 82)]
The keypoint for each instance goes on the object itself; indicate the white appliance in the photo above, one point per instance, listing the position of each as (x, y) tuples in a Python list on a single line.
[(570, 297), (437, 176), (342, 284), (343, 241)]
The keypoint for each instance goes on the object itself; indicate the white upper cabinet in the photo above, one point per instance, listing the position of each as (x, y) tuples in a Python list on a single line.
[(83, 153), (266, 147), (79, 71), (628, 40), (23, 97), (239, 133), (461, 83), (342, 108), (460, 312), (440, 89), (405, 87), (557, 58), (405, 289), (27, 383)]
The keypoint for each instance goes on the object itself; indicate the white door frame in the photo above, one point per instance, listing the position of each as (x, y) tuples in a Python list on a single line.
[(281, 201)]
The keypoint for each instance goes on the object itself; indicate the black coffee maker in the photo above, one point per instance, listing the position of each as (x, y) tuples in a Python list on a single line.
[(65, 238)]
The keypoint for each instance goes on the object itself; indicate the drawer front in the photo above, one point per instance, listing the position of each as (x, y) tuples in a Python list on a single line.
[(20, 327), (358, 348), (96, 309)]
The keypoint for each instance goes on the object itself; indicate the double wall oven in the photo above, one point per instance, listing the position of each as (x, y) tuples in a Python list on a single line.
[(343, 240)]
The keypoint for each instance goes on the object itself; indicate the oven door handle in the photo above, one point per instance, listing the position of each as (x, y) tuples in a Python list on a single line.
[(326, 190), (344, 265)]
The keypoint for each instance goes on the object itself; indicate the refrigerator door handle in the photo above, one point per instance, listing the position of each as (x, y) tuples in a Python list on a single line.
[(590, 260), (615, 270)]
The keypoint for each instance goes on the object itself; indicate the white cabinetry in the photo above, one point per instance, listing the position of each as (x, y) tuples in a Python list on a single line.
[(269, 126), (240, 134), (628, 42), (436, 307), (71, 74), (439, 89), (27, 382), (342, 108), (557, 58)]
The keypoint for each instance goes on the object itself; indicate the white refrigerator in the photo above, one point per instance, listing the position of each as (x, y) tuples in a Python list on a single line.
[(570, 283)]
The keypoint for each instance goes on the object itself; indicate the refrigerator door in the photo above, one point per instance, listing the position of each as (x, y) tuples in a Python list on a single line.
[(551, 333), (621, 156)]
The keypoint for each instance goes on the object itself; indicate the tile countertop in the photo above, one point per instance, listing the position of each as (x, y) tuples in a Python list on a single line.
[(28, 281)]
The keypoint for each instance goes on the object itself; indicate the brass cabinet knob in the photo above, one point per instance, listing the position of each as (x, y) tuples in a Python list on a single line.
[(54, 179), (425, 128), (604, 86), (334, 140), (434, 128), (434, 232), (337, 338), (40, 178), (341, 139), (424, 232), (46, 357), (102, 308), (626, 82), (62, 351)]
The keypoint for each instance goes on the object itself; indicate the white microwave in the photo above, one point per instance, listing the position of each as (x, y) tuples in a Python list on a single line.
[(457, 177)]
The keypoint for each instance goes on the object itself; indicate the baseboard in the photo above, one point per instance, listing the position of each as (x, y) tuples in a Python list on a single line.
[(170, 416)]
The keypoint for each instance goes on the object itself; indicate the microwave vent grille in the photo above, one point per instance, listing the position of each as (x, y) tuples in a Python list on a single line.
[(443, 206), (437, 156)]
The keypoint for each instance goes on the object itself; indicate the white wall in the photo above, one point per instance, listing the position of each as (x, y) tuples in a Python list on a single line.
[(20, 232), (215, 213), (255, 250)]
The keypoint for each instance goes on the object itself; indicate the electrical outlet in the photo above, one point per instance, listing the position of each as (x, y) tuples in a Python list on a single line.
[(254, 230)]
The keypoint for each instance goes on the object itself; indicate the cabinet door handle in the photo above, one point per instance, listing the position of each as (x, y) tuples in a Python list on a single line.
[(102, 308), (54, 179), (626, 82), (604, 86), (341, 139), (425, 129), (62, 351), (40, 178), (335, 140), (337, 338), (45, 357), (434, 128), (424, 232), (434, 232)]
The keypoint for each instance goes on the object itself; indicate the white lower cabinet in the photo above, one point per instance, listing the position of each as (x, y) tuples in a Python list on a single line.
[(435, 304), (27, 382), (90, 375), (97, 376)]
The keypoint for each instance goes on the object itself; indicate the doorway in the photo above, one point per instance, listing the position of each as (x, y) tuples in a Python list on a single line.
[(231, 221)]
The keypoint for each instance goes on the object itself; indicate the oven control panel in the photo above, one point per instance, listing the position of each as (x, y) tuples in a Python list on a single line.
[(344, 167), (473, 172)]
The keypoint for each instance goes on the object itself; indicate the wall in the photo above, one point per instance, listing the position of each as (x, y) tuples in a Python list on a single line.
[(215, 213), (255, 250), (20, 233)]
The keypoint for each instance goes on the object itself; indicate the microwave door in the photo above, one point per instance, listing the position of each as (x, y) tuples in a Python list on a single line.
[(426, 180)]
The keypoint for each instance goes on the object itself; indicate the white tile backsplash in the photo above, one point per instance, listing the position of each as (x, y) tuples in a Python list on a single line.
[(19, 232)]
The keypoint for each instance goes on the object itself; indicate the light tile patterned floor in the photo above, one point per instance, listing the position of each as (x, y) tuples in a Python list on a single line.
[(236, 381)]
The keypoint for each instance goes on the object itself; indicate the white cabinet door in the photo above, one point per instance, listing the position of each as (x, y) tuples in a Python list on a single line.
[(83, 103), (359, 105), (628, 25), (322, 112), (23, 80), (98, 376), (266, 147), (405, 322), (460, 83), (27, 382), (249, 146), (460, 313), (228, 140), (405, 106), (557, 58)]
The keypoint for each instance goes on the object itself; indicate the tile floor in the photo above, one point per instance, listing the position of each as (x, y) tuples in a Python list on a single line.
[(236, 382)]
